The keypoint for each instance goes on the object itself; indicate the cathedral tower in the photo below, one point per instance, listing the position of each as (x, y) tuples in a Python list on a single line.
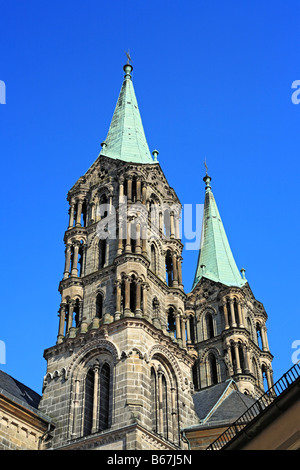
[(230, 336), (119, 375)]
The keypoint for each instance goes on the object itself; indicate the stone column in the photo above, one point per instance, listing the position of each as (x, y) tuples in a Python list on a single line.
[(172, 226), (183, 334), (121, 190), (241, 325), (232, 312), (188, 330), (120, 240), (160, 223), (74, 271), (71, 215), (95, 399), (67, 261), (138, 248), (145, 288), (269, 378), (70, 316), (237, 358), (75, 406), (175, 272), (128, 244), (174, 413), (138, 190), (138, 311), (144, 190), (127, 295), (144, 240), (178, 328), (225, 315), (78, 215), (247, 359), (62, 317), (160, 403), (118, 299), (179, 271), (129, 190), (264, 338)]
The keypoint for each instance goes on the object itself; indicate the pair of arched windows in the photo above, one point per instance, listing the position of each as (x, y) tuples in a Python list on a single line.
[(164, 404), (96, 406)]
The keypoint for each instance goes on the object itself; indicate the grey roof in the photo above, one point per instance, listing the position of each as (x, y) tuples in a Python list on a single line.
[(221, 403), (14, 389)]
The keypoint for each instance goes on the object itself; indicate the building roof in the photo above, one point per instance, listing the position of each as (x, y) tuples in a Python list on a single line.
[(215, 259), (17, 391), (126, 138), (220, 403)]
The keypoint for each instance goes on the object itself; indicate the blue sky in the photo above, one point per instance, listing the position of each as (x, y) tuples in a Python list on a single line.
[(212, 79)]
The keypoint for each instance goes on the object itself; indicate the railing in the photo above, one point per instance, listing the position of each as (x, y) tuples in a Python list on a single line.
[(260, 405)]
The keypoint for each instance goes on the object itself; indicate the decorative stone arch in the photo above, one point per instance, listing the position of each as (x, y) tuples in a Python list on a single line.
[(94, 347), (166, 355), (90, 363), (207, 375)]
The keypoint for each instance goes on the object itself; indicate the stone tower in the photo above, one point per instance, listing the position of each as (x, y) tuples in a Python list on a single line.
[(119, 375), (230, 337)]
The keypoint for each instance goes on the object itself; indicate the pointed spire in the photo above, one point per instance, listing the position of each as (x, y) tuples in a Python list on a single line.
[(215, 259), (126, 138)]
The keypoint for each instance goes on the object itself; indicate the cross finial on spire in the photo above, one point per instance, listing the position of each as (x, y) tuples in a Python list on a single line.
[(205, 166), (128, 57)]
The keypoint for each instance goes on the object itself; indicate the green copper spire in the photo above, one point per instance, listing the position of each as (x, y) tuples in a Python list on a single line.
[(215, 260), (126, 138)]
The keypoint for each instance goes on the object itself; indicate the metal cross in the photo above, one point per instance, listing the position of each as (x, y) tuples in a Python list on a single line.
[(128, 57), (205, 166)]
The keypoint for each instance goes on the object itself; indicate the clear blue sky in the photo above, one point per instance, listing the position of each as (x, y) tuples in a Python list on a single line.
[(212, 79)]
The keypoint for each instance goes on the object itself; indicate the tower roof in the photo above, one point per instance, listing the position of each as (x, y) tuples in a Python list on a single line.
[(215, 260), (126, 137)]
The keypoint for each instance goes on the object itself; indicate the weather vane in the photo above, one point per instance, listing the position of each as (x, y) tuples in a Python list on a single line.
[(128, 57), (206, 166)]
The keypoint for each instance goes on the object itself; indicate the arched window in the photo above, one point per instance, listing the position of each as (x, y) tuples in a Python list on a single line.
[(80, 260), (76, 312), (195, 376), (83, 214), (258, 335), (209, 326), (133, 190), (153, 401), (235, 307), (153, 259), (230, 320), (165, 408), (88, 403), (169, 268), (167, 223), (103, 206), (241, 356), (102, 253), (99, 306), (171, 321), (213, 369), (104, 397), (133, 293)]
